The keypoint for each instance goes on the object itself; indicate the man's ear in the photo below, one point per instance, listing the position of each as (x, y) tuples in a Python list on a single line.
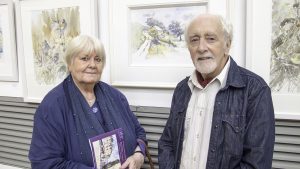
[(227, 47)]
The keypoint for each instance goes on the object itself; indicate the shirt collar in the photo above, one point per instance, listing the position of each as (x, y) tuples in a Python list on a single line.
[(222, 77)]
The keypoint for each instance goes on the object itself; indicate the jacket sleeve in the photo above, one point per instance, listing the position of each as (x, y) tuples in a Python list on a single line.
[(140, 132), (47, 149), (166, 152), (260, 131)]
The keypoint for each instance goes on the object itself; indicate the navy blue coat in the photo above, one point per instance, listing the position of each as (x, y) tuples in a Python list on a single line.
[(54, 142)]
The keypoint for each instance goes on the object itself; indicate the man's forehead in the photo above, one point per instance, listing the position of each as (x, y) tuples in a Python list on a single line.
[(208, 29), (206, 23)]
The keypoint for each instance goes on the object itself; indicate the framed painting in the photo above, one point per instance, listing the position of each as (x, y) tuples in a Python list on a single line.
[(274, 52), (47, 27), (8, 56), (148, 45)]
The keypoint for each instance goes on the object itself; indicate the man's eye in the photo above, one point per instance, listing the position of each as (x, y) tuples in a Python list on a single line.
[(211, 39), (194, 40)]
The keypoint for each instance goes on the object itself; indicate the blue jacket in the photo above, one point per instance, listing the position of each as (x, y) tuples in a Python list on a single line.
[(54, 141), (243, 125)]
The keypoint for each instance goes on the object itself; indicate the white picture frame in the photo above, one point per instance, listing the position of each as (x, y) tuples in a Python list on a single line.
[(35, 89), (258, 55), (156, 72), (8, 54)]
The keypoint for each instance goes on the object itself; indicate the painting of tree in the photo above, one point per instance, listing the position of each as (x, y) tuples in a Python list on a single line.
[(176, 29), (157, 35), (285, 60)]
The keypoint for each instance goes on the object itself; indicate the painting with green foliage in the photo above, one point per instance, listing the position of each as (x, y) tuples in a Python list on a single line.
[(51, 32), (285, 60), (157, 35)]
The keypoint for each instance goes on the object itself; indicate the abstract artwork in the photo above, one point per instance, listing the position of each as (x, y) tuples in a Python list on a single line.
[(51, 32), (285, 59), (157, 35)]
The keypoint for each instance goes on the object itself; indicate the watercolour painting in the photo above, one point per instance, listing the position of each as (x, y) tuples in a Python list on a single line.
[(158, 35), (273, 53), (51, 30), (1, 38), (8, 52), (150, 49), (46, 29), (285, 59)]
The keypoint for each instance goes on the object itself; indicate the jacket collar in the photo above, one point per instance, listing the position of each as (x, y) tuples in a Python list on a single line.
[(234, 77)]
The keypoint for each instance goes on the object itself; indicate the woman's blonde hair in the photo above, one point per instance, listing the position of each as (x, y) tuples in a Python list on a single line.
[(86, 44)]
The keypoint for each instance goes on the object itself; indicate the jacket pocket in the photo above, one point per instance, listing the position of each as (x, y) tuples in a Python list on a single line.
[(233, 135)]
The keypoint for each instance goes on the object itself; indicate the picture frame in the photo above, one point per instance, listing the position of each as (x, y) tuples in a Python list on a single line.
[(145, 51), (8, 54), (46, 27), (259, 53)]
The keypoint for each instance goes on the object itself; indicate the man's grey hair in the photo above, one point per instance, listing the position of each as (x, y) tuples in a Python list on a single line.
[(226, 27)]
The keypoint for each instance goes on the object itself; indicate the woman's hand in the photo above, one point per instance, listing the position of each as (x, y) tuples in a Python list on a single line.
[(135, 161)]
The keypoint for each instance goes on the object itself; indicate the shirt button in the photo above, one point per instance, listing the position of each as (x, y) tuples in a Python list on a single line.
[(216, 126), (212, 150)]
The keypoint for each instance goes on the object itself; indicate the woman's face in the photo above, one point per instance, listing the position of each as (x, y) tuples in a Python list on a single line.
[(86, 68)]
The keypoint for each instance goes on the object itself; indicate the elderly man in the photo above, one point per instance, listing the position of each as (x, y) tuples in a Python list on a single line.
[(221, 116)]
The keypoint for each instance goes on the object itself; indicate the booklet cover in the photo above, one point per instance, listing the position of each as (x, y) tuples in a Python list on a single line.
[(108, 150)]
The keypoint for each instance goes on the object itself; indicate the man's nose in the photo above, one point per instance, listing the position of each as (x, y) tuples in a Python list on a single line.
[(202, 47)]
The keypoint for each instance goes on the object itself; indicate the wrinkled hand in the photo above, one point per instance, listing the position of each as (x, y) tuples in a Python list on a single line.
[(134, 162)]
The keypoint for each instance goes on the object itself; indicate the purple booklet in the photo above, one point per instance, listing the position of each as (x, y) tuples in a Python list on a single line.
[(108, 149)]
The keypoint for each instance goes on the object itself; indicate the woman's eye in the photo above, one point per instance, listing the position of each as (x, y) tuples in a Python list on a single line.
[(98, 59), (85, 58)]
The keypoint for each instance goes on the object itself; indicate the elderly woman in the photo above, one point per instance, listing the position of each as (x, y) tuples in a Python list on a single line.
[(79, 108)]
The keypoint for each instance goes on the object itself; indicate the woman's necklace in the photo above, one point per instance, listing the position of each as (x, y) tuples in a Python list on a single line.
[(91, 101)]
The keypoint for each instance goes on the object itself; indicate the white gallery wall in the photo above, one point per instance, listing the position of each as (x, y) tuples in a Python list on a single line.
[(247, 48), (157, 97)]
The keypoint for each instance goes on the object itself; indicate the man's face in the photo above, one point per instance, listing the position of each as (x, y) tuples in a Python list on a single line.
[(207, 46)]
